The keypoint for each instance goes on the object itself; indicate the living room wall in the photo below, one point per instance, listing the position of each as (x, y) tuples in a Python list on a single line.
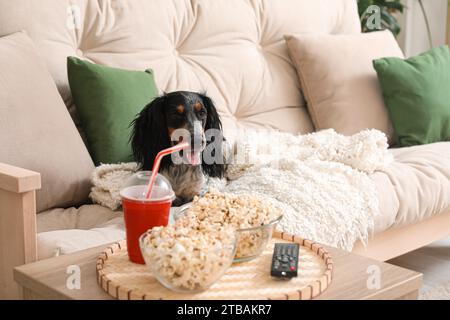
[(448, 23), (414, 38)]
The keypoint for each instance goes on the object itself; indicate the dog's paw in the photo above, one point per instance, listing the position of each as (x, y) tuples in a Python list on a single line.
[(178, 202)]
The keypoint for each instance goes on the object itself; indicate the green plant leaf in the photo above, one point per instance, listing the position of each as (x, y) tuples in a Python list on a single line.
[(387, 9)]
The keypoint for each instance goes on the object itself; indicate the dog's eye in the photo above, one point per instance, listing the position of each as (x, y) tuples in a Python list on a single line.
[(176, 113), (202, 113)]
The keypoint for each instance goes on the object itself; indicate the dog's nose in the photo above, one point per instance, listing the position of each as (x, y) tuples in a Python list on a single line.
[(196, 135)]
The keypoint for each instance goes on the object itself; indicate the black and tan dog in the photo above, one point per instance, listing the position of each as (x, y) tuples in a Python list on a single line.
[(158, 127)]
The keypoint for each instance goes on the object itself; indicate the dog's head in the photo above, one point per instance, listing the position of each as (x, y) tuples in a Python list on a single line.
[(176, 117)]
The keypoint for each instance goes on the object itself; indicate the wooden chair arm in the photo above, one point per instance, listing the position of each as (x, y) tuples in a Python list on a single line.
[(18, 180), (18, 244)]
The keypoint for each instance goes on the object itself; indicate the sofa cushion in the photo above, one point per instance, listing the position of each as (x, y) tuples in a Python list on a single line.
[(63, 231), (61, 242), (36, 131), (108, 100), (233, 49), (415, 186), (417, 94), (339, 82)]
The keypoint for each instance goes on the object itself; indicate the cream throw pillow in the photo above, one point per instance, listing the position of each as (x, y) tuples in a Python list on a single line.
[(339, 82), (36, 130)]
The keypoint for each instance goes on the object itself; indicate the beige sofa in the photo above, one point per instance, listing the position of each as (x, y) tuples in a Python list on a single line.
[(233, 49)]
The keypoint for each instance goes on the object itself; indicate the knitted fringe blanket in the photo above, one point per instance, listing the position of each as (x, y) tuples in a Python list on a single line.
[(320, 180)]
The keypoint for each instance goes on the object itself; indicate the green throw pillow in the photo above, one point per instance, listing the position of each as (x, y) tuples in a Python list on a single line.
[(417, 93), (107, 100)]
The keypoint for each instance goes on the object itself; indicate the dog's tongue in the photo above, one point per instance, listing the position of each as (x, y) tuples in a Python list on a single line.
[(193, 158)]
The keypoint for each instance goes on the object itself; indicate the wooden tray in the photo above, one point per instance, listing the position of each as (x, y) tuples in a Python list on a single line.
[(125, 280)]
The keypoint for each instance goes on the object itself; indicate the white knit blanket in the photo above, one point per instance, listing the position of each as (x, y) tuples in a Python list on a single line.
[(320, 180)]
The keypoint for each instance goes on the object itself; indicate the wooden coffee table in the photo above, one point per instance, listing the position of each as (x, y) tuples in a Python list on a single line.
[(48, 279)]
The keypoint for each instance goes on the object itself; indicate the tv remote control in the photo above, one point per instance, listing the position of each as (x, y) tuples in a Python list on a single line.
[(285, 260)]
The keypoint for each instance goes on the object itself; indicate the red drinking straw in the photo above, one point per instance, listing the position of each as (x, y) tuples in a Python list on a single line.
[(157, 163)]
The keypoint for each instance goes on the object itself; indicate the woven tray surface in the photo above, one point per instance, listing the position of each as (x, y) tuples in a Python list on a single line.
[(125, 280)]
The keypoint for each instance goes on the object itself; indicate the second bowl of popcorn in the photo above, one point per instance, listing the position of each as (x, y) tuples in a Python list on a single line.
[(253, 219)]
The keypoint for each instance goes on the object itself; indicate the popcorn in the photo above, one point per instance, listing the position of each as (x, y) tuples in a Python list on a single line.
[(240, 212), (189, 259), (197, 249)]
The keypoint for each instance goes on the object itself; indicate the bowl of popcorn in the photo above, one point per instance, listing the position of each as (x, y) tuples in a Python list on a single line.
[(253, 218), (188, 260)]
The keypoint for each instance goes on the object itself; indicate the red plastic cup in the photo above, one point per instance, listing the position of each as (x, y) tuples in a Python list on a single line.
[(143, 214)]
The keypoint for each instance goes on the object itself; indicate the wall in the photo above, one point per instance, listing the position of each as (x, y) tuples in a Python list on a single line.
[(414, 38), (448, 23)]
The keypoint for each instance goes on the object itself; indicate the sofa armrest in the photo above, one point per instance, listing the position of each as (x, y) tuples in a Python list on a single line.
[(18, 180), (18, 244)]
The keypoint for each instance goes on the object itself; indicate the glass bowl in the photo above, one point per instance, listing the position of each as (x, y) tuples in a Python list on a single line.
[(251, 242), (183, 272)]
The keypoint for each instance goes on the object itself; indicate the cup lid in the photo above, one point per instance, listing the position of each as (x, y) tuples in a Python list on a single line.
[(135, 188), (137, 193)]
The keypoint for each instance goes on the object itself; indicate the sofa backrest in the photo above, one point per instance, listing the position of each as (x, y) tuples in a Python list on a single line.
[(232, 49)]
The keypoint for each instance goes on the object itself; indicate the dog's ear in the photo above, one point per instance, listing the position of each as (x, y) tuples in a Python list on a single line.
[(213, 119), (149, 134), (215, 169)]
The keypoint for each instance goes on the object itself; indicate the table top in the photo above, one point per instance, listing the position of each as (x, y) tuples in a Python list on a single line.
[(354, 278)]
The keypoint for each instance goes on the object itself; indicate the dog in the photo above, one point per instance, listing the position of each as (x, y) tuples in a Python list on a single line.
[(158, 127)]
